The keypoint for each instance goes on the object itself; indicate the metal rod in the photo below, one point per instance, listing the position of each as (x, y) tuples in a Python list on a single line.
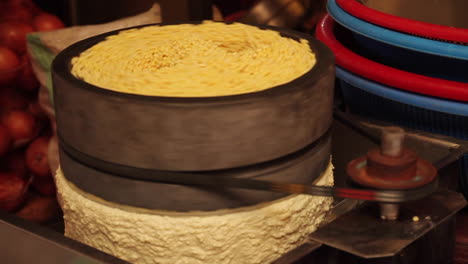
[(389, 211), (392, 141)]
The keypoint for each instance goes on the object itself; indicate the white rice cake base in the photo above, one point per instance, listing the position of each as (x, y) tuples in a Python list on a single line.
[(255, 234)]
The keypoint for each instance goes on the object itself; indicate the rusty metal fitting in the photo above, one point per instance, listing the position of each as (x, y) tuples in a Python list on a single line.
[(392, 166), (402, 167)]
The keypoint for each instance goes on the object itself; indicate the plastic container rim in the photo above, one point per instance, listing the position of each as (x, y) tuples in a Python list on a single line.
[(425, 102), (402, 24), (395, 38), (387, 75)]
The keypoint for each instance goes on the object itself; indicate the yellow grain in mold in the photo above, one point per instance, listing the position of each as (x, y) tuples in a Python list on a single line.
[(186, 60)]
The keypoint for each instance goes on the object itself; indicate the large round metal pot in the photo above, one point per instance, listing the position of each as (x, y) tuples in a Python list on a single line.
[(193, 134)]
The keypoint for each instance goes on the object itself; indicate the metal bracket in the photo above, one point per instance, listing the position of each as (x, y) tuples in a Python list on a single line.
[(361, 233)]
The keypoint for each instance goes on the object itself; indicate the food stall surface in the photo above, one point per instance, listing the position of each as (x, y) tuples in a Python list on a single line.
[(25, 242)]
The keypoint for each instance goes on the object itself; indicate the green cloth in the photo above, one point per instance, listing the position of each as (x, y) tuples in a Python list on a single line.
[(44, 57)]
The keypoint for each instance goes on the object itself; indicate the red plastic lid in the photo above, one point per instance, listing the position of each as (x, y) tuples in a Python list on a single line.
[(387, 75), (401, 24)]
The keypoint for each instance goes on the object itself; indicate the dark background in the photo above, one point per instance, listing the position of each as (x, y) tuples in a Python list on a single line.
[(100, 11)]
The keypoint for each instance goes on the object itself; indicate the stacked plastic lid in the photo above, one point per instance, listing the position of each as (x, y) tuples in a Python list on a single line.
[(395, 68)]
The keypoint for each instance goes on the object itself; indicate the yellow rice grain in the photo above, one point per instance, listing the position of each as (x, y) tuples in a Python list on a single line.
[(209, 59)]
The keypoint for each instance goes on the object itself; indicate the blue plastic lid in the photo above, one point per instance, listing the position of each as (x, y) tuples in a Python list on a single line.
[(426, 102)]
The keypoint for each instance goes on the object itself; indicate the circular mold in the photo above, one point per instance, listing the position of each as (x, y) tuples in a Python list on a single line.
[(304, 166), (198, 133)]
